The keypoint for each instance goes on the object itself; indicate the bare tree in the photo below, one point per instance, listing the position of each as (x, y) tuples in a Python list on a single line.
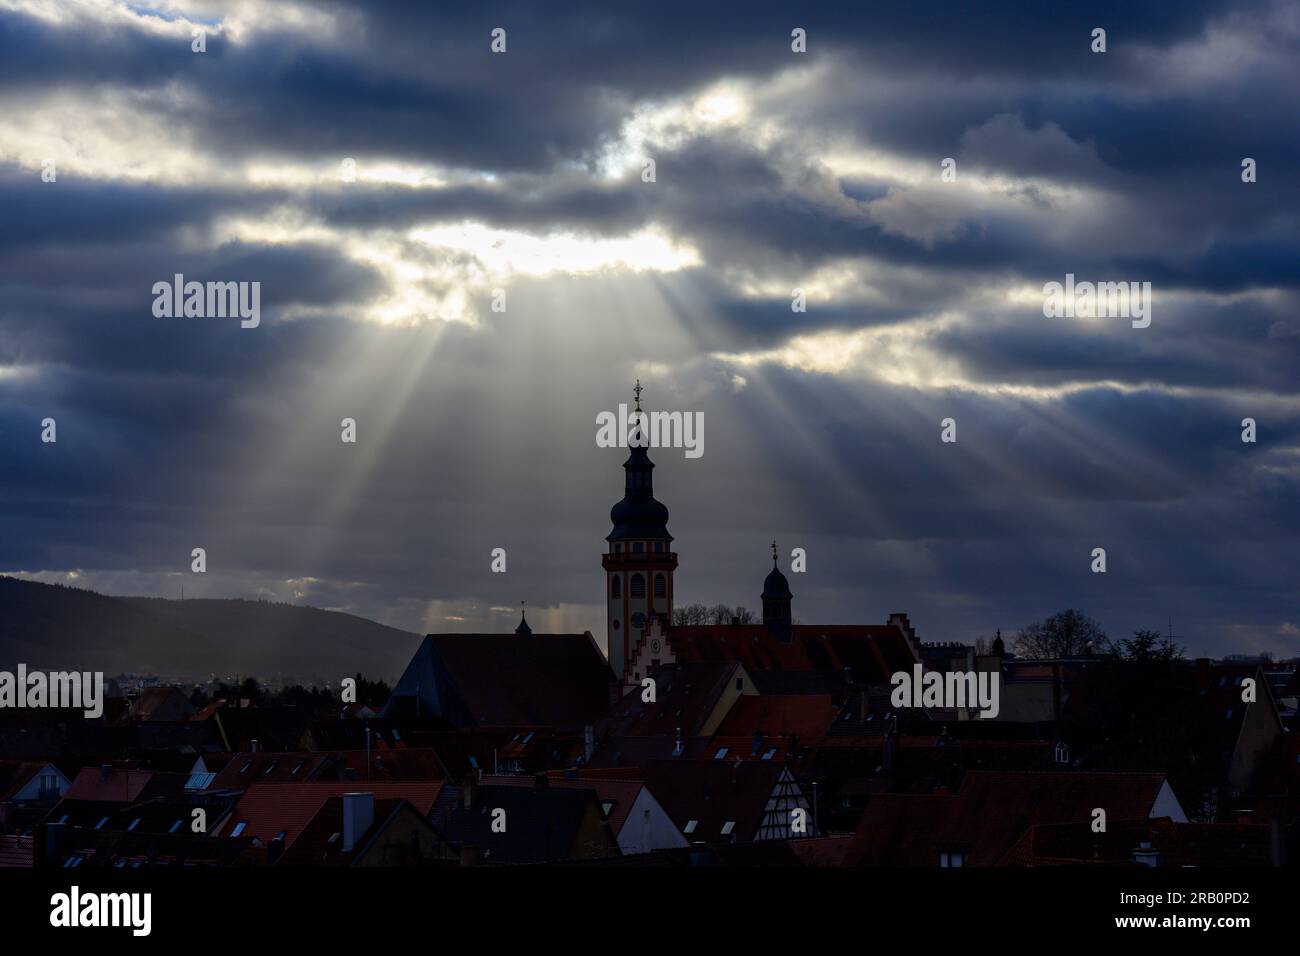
[(722, 614), (690, 615), (1067, 633)]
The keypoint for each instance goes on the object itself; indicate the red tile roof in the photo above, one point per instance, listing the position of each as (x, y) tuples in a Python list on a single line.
[(266, 809), (686, 695), (15, 850), (872, 651), (713, 793), (821, 851), (990, 812), (245, 769), (742, 748), (122, 786), (1177, 844), (321, 841), (807, 715)]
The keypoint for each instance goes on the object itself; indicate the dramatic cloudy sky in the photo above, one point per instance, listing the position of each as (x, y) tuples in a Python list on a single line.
[(775, 170)]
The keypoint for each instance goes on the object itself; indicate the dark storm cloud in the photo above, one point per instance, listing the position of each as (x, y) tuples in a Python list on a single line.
[(177, 432)]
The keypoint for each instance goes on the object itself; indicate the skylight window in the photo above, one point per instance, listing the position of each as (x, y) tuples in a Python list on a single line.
[(728, 827), (175, 826), (270, 768), (133, 824), (239, 828), (200, 780), (722, 752), (296, 767), (100, 824), (606, 806), (769, 753), (690, 826), (246, 767), (473, 762)]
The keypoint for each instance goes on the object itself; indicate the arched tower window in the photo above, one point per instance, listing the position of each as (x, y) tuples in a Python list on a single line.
[(661, 585), (616, 586), (638, 586)]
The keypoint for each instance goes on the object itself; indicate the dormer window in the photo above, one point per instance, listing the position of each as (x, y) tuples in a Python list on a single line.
[(638, 547)]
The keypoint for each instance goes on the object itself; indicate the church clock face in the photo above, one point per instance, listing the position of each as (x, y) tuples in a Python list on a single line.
[(654, 647), (638, 620)]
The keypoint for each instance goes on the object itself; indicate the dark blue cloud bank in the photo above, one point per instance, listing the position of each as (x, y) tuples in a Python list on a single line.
[(473, 172)]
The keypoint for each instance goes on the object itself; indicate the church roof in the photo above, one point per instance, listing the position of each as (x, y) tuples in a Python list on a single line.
[(873, 651), (776, 587), (505, 680)]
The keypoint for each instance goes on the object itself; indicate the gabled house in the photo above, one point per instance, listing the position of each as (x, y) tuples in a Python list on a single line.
[(494, 824), (730, 801), (355, 829), (28, 788), (639, 822)]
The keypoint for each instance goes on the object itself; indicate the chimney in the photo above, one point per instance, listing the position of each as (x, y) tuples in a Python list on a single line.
[(756, 744), (274, 850), (46, 844), (588, 742), (252, 746), (105, 771), (470, 790), (358, 815), (1144, 855), (468, 855)]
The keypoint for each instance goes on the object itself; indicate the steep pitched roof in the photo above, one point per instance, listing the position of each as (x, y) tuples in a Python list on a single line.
[(506, 680), (991, 811), (685, 697), (245, 769), (808, 716), (619, 795), (713, 793), (542, 824), (108, 783), (872, 651), (161, 703), (16, 774), (267, 809), (321, 843)]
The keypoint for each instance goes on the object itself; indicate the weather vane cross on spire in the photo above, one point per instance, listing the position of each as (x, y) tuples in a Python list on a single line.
[(637, 390), (774, 554)]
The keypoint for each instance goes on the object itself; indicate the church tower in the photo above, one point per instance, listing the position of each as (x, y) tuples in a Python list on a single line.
[(776, 602), (639, 561)]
